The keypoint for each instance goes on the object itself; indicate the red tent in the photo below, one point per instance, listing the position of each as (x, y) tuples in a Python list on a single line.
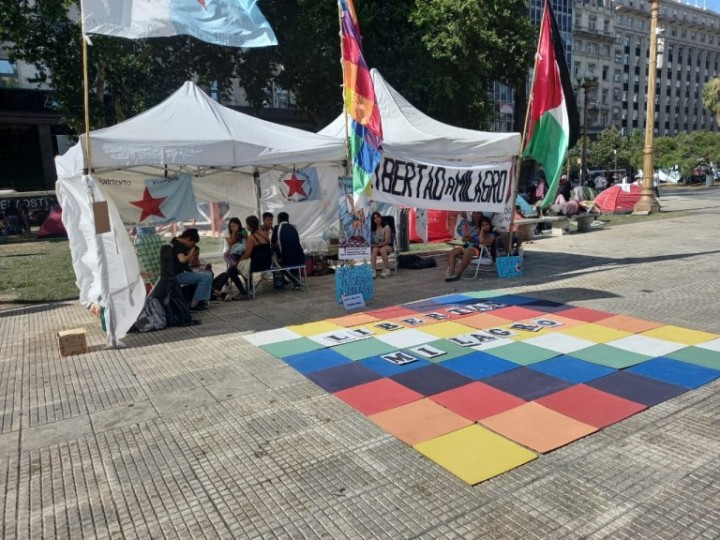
[(441, 225), (52, 227), (618, 199)]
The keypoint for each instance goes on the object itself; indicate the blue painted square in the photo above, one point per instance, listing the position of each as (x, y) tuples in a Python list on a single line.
[(675, 372), (478, 365), (454, 299), (512, 299), (571, 369), (316, 360), (387, 369)]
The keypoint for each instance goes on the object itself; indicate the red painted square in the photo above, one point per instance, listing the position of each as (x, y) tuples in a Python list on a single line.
[(585, 314), (378, 396), (477, 400), (516, 313), (591, 406)]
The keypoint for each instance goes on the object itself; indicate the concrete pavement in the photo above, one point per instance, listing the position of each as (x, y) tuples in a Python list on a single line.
[(194, 432)]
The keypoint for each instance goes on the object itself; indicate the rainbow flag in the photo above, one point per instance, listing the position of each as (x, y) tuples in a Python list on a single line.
[(365, 138)]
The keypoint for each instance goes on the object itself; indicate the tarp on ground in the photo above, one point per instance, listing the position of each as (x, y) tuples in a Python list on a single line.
[(190, 133), (429, 164), (618, 199), (52, 227)]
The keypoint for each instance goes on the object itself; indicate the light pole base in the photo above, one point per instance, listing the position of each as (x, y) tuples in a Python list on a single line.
[(645, 206)]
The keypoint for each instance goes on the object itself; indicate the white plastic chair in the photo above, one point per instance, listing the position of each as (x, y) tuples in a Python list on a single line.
[(484, 260)]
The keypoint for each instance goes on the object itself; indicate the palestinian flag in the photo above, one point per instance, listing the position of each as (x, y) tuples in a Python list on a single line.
[(554, 125)]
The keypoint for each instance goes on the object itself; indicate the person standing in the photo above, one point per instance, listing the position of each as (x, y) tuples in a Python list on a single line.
[(185, 249), (287, 241)]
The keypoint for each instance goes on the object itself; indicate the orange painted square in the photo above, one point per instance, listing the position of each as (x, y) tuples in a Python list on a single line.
[(354, 320), (378, 396), (585, 314), (419, 421), (537, 427), (482, 321), (628, 324)]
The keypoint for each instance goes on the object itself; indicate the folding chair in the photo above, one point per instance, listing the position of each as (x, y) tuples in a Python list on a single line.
[(485, 260)]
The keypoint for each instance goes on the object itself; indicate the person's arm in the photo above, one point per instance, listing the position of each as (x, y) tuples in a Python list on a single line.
[(248, 248), (486, 238), (274, 238), (183, 257), (387, 237)]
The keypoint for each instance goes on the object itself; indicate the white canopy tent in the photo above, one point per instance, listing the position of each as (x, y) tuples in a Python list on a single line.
[(418, 145), (219, 147)]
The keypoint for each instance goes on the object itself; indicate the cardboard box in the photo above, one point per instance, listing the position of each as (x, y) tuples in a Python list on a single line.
[(72, 341)]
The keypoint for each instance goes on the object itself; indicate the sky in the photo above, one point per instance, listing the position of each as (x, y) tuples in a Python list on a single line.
[(711, 4)]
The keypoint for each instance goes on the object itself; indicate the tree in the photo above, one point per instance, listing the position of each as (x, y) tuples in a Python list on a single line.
[(711, 97), (443, 56)]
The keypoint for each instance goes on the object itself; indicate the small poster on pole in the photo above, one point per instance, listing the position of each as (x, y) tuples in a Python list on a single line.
[(355, 223)]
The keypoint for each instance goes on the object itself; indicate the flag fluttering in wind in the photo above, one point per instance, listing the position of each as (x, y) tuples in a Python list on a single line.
[(365, 137), (234, 23), (554, 125)]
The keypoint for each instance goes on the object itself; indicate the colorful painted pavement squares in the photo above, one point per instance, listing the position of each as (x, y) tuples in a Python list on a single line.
[(483, 382)]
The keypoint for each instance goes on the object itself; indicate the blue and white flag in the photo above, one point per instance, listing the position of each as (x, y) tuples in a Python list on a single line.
[(164, 200), (234, 23)]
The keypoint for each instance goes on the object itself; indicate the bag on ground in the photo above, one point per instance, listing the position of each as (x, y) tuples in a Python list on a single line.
[(415, 262), (152, 317)]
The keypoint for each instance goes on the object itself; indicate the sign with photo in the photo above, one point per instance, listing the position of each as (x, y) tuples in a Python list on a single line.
[(355, 222), (351, 280)]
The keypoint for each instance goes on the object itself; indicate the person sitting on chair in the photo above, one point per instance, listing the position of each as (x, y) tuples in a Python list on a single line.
[(381, 244), (184, 247), (258, 254), (234, 250), (474, 234), (287, 240)]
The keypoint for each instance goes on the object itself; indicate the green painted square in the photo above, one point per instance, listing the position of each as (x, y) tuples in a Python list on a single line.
[(453, 350), (605, 355), (522, 353), (483, 294), (290, 347), (364, 348), (697, 356)]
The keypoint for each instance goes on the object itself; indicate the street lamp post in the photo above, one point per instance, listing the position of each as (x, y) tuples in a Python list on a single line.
[(648, 203), (586, 83), (615, 153)]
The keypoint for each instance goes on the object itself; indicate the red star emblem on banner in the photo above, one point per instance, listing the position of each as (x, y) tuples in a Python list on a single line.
[(296, 186), (149, 206)]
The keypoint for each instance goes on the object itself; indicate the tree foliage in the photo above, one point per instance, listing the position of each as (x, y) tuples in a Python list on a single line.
[(711, 97), (442, 55)]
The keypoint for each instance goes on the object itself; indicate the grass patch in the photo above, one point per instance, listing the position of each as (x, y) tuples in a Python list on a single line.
[(38, 271)]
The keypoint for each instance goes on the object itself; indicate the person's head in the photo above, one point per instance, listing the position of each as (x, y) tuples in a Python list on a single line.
[(475, 217), (283, 217), (189, 237), (485, 224), (234, 225), (253, 223), (267, 219), (377, 220)]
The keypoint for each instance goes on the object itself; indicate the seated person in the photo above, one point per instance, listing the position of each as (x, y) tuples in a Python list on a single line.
[(258, 254), (235, 246), (287, 240), (474, 234), (184, 248), (198, 266), (381, 243)]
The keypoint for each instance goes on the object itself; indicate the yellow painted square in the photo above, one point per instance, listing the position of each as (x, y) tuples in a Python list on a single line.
[(595, 332), (520, 335), (680, 335), (475, 453), (448, 329), (313, 328)]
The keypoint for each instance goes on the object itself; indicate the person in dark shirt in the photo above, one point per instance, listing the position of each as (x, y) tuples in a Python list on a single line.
[(286, 240), (184, 249)]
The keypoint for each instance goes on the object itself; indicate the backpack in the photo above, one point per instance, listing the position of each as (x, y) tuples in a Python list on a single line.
[(152, 317), (415, 262)]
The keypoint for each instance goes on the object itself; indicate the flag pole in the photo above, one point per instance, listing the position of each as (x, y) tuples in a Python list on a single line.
[(86, 102), (345, 111), (523, 137)]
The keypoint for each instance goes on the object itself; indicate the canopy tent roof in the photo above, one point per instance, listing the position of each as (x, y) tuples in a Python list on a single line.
[(412, 135), (191, 129)]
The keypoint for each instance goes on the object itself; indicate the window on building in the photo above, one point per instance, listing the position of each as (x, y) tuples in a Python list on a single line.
[(605, 71), (8, 74)]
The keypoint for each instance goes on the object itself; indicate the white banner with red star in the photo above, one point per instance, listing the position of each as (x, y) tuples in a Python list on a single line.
[(153, 200)]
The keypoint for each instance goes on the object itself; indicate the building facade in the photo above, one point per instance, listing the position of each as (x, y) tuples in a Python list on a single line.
[(611, 46)]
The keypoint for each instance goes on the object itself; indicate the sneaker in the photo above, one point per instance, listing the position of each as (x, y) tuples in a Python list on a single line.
[(297, 287), (385, 273), (452, 278), (225, 297), (374, 274), (448, 273)]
